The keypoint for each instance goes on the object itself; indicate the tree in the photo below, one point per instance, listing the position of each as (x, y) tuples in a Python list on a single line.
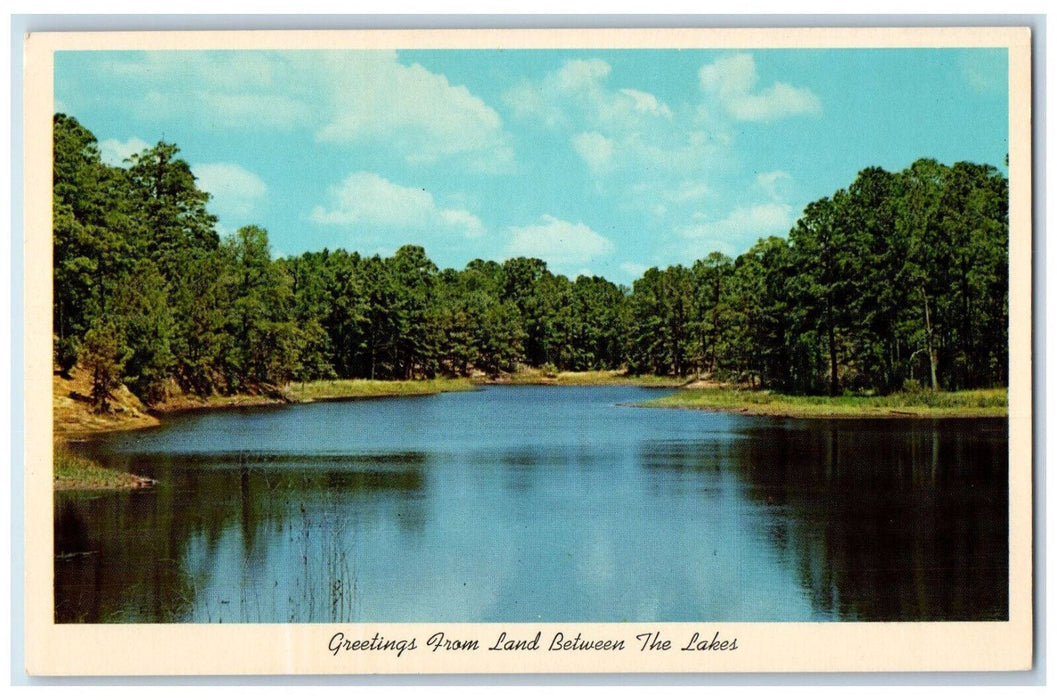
[(711, 282), (828, 257), (266, 343), (660, 309), (926, 269), (901, 276), (178, 228), (103, 356), (876, 348), (91, 227), (310, 283), (764, 346), (974, 222), (523, 280), (140, 309), (415, 344)]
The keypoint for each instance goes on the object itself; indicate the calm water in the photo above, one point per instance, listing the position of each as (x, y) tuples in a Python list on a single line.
[(539, 503)]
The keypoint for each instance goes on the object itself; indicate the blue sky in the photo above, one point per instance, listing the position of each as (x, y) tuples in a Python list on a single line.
[(599, 162)]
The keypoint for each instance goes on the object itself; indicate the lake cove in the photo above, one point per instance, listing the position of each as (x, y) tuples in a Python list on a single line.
[(538, 504)]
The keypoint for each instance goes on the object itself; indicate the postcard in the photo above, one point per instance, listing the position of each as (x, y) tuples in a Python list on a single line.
[(528, 351)]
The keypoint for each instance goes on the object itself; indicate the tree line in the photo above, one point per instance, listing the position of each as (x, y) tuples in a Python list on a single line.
[(901, 278)]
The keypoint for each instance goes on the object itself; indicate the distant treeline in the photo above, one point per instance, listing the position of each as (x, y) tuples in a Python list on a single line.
[(900, 277)]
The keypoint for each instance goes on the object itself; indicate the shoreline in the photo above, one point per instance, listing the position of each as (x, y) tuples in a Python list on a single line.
[(536, 377), (73, 420), (979, 403)]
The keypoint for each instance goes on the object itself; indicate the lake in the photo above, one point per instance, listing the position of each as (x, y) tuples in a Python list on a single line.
[(528, 503)]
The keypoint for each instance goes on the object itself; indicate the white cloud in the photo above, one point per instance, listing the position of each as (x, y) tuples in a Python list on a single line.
[(114, 152), (613, 129), (660, 196), (235, 191), (632, 269), (775, 183), (688, 190), (742, 225), (527, 102), (732, 81), (579, 74), (645, 102), (342, 97), (558, 242), (416, 112), (595, 150), (461, 219), (368, 199)]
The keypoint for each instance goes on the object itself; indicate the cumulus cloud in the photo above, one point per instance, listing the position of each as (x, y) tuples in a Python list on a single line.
[(619, 131), (235, 191), (415, 111), (595, 150), (775, 183), (341, 97), (645, 102), (114, 152), (741, 226), (463, 220), (558, 242), (368, 199), (732, 82), (579, 74)]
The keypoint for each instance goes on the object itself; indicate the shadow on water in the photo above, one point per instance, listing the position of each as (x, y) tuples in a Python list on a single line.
[(881, 520), (217, 516)]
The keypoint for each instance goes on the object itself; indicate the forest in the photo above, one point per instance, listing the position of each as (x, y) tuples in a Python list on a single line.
[(898, 280)]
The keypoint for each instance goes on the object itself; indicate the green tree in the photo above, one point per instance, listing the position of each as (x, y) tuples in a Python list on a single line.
[(266, 346), (414, 346), (828, 256), (711, 279), (660, 309), (763, 347), (103, 356), (178, 228), (140, 309), (876, 349), (925, 271), (91, 226)]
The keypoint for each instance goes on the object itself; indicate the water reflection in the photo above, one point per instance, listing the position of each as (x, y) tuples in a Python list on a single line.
[(256, 525), (880, 520), (558, 505)]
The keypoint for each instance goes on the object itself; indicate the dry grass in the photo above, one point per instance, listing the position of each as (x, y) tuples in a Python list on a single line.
[(73, 414), (332, 389), (536, 376)]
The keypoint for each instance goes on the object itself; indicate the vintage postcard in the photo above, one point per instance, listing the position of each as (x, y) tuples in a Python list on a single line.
[(520, 351)]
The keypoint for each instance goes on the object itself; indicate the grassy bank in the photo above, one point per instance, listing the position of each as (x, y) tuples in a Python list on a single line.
[(332, 389), (535, 376), (75, 473), (73, 416), (922, 404)]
